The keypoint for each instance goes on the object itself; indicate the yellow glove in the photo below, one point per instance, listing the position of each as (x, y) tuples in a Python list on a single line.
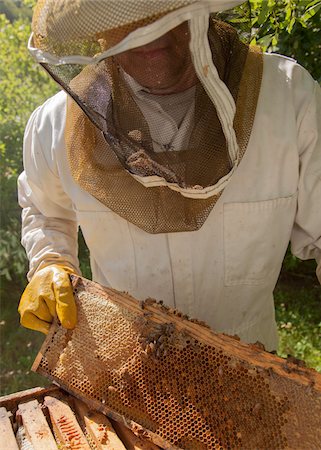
[(48, 295)]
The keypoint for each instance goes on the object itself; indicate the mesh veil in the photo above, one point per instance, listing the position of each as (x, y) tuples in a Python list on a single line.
[(110, 140)]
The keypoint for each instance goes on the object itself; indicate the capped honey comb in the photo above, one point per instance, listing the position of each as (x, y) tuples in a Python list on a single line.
[(176, 381)]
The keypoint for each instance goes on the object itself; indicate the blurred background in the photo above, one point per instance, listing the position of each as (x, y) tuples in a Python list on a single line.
[(289, 27)]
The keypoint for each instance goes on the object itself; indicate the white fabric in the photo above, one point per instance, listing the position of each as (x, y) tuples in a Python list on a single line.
[(223, 273), (216, 89)]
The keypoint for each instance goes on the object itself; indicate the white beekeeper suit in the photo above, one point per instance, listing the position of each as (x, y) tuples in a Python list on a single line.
[(223, 273)]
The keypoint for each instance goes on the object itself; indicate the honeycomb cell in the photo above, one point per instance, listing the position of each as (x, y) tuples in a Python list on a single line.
[(160, 375)]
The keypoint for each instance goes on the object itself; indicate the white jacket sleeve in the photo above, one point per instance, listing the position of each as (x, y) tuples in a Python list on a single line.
[(306, 235), (49, 226)]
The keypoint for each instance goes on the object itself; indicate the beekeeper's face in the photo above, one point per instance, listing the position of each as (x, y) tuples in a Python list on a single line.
[(163, 66)]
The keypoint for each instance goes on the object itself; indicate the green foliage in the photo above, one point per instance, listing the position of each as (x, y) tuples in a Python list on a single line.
[(16, 9), (18, 346), (289, 27), (296, 266), (84, 258), (24, 85), (298, 314)]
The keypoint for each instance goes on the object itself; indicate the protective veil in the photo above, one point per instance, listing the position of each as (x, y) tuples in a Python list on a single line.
[(117, 60)]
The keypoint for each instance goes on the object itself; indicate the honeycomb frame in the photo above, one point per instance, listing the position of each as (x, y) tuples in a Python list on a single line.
[(176, 381)]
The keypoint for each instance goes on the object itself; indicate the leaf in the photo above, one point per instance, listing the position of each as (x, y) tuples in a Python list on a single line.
[(288, 12), (291, 25), (311, 11), (264, 12), (265, 41), (314, 2)]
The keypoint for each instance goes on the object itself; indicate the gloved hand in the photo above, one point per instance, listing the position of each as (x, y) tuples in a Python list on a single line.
[(48, 295)]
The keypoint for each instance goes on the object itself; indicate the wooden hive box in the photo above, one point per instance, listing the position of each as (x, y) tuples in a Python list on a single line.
[(50, 419), (178, 382)]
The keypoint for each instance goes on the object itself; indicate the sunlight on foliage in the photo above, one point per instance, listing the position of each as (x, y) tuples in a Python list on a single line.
[(24, 86), (291, 28)]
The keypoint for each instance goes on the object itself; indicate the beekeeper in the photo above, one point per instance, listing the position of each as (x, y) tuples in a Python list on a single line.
[(188, 159)]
